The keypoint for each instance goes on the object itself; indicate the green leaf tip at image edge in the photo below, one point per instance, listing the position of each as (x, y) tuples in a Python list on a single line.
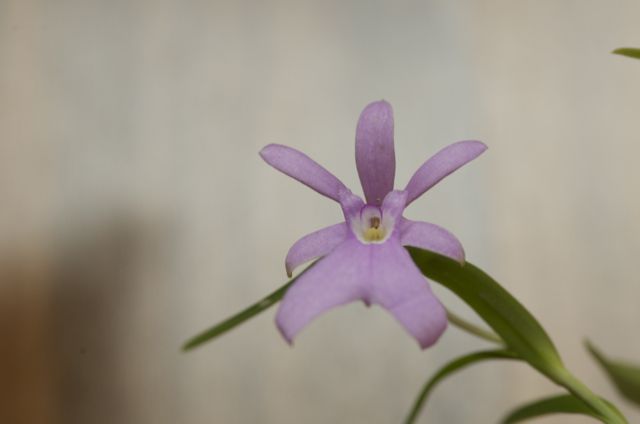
[(624, 376), (628, 51), (512, 322), (561, 404), (450, 368)]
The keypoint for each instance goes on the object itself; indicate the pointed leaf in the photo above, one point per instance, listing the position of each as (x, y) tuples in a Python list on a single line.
[(511, 321), (628, 51), (240, 317), (561, 404), (450, 368), (625, 376)]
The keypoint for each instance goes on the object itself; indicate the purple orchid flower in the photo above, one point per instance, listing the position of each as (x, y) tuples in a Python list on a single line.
[(363, 258)]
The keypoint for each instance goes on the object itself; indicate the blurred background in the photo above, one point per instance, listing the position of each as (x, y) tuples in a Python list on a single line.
[(135, 210)]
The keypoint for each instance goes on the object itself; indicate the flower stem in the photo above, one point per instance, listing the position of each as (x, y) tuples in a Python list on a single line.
[(607, 412), (473, 329), (450, 368)]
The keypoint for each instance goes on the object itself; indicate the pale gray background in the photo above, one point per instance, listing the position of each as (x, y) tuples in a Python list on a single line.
[(136, 211)]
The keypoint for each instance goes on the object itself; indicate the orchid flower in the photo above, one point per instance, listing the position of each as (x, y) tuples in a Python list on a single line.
[(363, 257)]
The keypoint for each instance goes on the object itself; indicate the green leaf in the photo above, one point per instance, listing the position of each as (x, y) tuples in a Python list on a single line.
[(240, 317), (235, 320), (511, 321), (501, 311), (561, 404), (625, 376), (450, 368), (628, 51)]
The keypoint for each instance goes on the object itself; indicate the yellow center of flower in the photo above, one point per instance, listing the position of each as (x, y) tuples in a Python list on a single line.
[(374, 232)]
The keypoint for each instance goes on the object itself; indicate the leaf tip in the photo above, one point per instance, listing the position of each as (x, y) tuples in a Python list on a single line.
[(628, 52), (187, 346), (595, 352)]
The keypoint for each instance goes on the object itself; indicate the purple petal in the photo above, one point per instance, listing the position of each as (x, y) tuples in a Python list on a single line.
[(399, 287), (394, 203), (375, 157), (337, 279), (315, 245), (351, 204), (301, 167), (442, 164), (431, 237)]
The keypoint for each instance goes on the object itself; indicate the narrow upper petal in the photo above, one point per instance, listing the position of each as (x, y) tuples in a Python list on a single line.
[(431, 237), (315, 245), (399, 287), (337, 279), (375, 156), (442, 164), (301, 167)]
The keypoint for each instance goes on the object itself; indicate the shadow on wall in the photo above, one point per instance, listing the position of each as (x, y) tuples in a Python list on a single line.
[(27, 388), (63, 316)]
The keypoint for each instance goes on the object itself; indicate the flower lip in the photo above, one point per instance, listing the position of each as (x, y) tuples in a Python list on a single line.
[(371, 225)]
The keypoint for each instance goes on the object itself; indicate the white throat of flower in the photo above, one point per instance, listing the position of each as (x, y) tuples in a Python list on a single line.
[(372, 226)]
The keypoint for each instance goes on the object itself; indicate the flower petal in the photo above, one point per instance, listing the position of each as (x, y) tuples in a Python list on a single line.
[(337, 279), (394, 203), (301, 167), (351, 205), (375, 157), (315, 245), (442, 164), (431, 237), (400, 288)]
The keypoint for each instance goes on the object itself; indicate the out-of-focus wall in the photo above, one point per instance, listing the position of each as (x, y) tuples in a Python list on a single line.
[(136, 211)]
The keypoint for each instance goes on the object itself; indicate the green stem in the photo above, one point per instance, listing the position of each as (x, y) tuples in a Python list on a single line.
[(453, 366), (473, 329), (607, 411)]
